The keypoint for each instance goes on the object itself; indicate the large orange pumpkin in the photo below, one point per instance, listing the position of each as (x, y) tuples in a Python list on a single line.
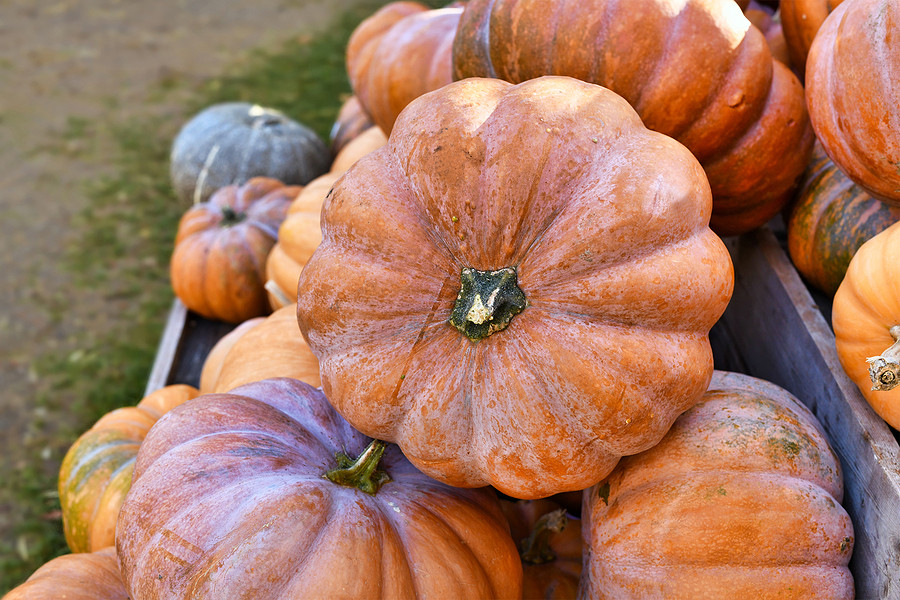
[(218, 265), (86, 576), (95, 474), (695, 70), (266, 492), (517, 288), (741, 499), (866, 320), (853, 91)]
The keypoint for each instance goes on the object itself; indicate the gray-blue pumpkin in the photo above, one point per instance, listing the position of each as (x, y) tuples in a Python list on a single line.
[(229, 143)]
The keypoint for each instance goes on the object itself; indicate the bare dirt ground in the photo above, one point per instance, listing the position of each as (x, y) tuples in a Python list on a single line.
[(63, 63)]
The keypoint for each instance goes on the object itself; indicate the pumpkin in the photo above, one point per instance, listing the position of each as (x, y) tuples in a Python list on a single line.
[(694, 70), (230, 143), (830, 219), (88, 576), (866, 321), (266, 492), (369, 140), (406, 60), (96, 472), (741, 499), (800, 21), (764, 18), (853, 90), (550, 545), (273, 347), (218, 265), (351, 121), (518, 288), (215, 358)]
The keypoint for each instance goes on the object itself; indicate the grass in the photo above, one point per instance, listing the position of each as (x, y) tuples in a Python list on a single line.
[(126, 237)]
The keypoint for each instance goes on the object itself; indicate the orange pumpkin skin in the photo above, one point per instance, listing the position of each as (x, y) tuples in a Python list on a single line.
[(272, 348), (96, 472), (830, 219), (864, 311), (229, 501), (218, 265), (600, 218), (85, 576), (800, 21), (703, 76), (369, 140), (555, 576), (740, 499), (212, 365), (351, 121), (853, 91)]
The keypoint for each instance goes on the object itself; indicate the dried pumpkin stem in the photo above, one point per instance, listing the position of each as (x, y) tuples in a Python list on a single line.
[(884, 370), (231, 217), (535, 549), (487, 302), (362, 472)]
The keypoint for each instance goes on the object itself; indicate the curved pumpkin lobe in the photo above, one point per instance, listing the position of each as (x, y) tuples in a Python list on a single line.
[(361, 473), (487, 302)]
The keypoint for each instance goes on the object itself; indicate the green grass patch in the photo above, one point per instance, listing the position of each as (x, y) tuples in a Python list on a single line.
[(125, 240)]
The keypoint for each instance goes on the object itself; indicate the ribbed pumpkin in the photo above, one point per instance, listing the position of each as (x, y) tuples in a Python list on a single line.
[(830, 219), (212, 364), (230, 143), (866, 320), (411, 57), (853, 91), (767, 21), (741, 499), (266, 492), (85, 576), (96, 472), (517, 288), (218, 265), (371, 139), (271, 347), (351, 121), (694, 70), (550, 545), (800, 21)]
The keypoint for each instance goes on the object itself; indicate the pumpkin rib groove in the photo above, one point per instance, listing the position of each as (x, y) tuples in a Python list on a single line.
[(660, 62)]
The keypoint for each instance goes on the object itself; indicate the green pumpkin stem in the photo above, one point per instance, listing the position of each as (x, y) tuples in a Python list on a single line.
[(362, 472), (535, 549), (487, 302), (231, 217), (884, 370)]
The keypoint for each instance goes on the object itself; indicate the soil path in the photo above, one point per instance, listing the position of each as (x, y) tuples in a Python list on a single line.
[(67, 63)]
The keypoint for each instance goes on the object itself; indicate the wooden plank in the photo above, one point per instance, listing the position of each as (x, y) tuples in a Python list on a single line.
[(781, 335), (167, 351)]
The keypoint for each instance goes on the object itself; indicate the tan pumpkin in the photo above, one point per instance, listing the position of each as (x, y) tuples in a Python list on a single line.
[(741, 499), (271, 347), (266, 492), (218, 265), (351, 121), (404, 61), (95, 474), (85, 576), (866, 320), (524, 278), (800, 21), (212, 364), (853, 91), (695, 70), (369, 140)]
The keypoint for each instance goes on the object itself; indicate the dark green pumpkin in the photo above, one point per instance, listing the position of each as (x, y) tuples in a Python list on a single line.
[(830, 219)]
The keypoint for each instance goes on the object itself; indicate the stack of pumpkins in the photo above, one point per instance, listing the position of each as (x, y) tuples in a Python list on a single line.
[(499, 326)]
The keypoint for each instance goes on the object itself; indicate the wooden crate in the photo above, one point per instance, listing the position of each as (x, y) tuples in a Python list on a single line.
[(773, 329)]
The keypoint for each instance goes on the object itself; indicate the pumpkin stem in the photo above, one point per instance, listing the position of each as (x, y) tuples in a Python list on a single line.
[(884, 370), (535, 549), (231, 217), (362, 472), (487, 302)]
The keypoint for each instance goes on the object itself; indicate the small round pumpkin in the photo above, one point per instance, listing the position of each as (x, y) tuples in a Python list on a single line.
[(866, 320), (853, 91), (741, 499), (408, 59), (695, 70), (230, 143), (800, 21), (266, 492), (95, 474), (85, 576), (830, 219), (272, 347), (518, 288), (218, 265)]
